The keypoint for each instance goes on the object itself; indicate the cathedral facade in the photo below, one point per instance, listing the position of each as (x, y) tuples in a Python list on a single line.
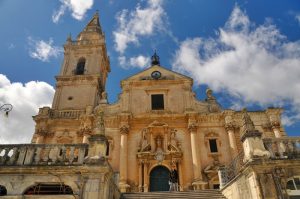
[(92, 148)]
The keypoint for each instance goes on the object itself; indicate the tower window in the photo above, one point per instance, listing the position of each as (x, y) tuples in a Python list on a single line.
[(80, 67), (157, 102), (213, 145)]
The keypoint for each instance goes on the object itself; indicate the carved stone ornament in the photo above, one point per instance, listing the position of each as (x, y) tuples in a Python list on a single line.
[(159, 156), (192, 127), (248, 124), (124, 129)]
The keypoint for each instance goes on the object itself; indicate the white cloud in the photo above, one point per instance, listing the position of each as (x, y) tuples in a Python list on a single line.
[(254, 64), (43, 50), (77, 7), (140, 22), (139, 61), (18, 127), (297, 17)]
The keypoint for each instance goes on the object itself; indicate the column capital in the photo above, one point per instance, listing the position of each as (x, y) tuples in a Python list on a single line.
[(192, 127), (41, 132), (230, 126), (275, 124), (124, 129)]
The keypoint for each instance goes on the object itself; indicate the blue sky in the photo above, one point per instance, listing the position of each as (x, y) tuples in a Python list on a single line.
[(248, 52)]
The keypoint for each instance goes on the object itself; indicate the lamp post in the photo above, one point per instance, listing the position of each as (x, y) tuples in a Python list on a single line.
[(6, 108)]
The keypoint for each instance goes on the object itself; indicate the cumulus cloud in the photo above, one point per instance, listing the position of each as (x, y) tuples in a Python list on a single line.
[(143, 21), (139, 61), (43, 50), (18, 127), (254, 64), (78, 8)]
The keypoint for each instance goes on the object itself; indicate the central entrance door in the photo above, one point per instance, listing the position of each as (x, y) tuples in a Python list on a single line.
[(159, 179)]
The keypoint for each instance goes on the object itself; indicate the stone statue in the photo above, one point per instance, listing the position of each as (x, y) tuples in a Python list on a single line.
[(213, 105), (212, 169), (103, 99), (209, 94), (173, 142), (144, 144)]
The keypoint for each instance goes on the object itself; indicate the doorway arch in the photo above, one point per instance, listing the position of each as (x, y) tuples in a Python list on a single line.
[(159, 179)]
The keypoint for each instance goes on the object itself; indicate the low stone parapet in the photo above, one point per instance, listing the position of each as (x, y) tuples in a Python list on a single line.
[(283, 148), (42, 154)]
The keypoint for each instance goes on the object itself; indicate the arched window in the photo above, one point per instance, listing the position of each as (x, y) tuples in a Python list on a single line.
[(49, 189), (80, 67), (293, 187), (3, 191)]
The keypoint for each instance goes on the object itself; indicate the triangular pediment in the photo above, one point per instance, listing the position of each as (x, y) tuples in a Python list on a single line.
[(165, 74)]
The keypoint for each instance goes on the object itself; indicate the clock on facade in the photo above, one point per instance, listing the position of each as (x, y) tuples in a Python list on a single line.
[(155, 74)]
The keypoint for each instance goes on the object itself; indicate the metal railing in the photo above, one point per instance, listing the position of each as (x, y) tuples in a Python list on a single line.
[(230, 171), (42, 154)]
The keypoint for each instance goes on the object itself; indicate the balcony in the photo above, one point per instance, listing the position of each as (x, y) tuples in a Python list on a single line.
[(283, 148), (65, 114), (42, 154)]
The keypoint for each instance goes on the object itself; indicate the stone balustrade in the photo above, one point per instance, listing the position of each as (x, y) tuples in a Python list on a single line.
[(67, 114), (283, 148), (42, 154)]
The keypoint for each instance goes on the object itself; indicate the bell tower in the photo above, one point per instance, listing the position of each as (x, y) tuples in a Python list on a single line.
[(84, 70)]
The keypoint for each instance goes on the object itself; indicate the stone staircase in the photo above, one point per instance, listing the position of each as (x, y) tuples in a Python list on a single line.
[(204, 194)]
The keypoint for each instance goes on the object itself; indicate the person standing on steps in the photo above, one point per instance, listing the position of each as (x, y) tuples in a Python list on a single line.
[(173, 179)]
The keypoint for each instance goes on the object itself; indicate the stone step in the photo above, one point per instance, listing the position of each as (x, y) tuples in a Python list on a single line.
[(204, 194)]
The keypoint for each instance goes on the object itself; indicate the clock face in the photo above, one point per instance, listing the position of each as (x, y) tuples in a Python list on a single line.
[(155, 74)]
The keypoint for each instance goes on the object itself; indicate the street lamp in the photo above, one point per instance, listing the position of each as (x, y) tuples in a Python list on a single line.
[(6, 108)]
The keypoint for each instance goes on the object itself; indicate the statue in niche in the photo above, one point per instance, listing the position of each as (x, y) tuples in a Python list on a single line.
[(144, 144), (173, 144), (159, 144)]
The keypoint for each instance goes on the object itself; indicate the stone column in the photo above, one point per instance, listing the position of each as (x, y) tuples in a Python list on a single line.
[(276, 129), (85, 138), (39, 139), (197, 182), (140, 176), (40, 136), (146, 177), (232, 140), (123, 158)]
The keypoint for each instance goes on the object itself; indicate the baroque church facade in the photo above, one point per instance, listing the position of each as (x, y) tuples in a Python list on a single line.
[(89, 148)]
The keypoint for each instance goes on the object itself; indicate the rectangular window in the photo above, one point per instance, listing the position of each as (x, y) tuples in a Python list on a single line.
[(213, 145), (157, 102)]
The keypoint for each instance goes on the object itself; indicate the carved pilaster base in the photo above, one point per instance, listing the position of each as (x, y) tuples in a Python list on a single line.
[(199, 185), (124, 187)]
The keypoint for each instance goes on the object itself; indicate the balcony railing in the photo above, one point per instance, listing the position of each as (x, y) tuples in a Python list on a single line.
[(283, 148), (67, 114), (42, 154)]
